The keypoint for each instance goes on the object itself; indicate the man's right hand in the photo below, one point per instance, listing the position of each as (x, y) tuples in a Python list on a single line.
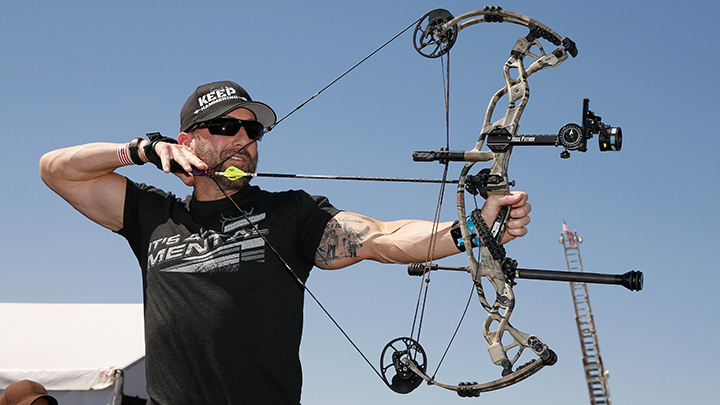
[(175, 152)]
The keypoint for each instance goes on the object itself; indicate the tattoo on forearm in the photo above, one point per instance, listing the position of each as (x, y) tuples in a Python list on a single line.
[(343, 238)]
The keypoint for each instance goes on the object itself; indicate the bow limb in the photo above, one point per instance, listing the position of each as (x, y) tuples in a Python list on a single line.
[(497, 14), (469, 389)]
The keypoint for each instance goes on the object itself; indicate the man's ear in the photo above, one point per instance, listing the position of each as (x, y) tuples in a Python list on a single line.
[(184, 138)]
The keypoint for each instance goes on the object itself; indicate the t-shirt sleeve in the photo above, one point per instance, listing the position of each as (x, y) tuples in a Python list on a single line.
[(130, 230), (318, 212)]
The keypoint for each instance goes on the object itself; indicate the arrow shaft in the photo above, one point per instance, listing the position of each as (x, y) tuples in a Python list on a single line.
[(233, 173), (356, 178)]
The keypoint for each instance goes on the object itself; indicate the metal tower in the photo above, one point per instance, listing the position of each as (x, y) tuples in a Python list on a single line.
[(595, 373)]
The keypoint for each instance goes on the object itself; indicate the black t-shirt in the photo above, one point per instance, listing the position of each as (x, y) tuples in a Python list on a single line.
[(223, 316)]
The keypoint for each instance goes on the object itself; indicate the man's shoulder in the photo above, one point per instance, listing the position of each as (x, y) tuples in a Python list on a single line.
[(148, 188), (319, 201), (292, 194), (146, 193)]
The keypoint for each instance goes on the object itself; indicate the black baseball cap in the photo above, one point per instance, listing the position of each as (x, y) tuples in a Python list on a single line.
[(216, 99)]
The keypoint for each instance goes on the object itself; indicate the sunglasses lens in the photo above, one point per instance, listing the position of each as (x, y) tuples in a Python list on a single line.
[(253, 129), (230, 126), (221, 126)]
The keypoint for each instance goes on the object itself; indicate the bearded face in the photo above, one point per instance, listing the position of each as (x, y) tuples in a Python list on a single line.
[(239, 157)]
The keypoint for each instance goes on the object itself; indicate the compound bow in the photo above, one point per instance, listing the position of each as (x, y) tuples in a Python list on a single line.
[(435, 33), (403, 360)]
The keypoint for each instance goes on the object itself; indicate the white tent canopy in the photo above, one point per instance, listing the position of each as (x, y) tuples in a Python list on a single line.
[(84, 354)]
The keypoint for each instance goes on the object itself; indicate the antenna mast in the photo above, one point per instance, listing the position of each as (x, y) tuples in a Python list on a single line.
[(595, 373)]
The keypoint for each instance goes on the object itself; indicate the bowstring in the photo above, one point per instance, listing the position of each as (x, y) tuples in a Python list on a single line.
[(291, 272), (297, 278), (343, 75)]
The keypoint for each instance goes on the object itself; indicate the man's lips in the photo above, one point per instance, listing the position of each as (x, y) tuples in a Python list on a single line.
[(240, 155)]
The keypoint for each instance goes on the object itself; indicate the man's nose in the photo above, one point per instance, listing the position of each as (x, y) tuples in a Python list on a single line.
[(241, 138)]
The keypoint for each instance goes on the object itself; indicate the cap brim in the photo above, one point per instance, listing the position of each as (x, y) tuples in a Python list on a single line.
[(263, 113), (49, 398)]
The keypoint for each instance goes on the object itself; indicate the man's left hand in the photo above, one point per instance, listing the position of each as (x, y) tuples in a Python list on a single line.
[(518, 213)]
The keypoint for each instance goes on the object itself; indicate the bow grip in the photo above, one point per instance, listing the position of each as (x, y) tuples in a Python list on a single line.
[(498, 227)]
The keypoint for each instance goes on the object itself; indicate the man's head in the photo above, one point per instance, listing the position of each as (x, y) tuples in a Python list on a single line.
[(26, 392), (216, 99), (219, 121)]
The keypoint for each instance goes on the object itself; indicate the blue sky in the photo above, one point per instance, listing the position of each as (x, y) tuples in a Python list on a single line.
[(78, 72)]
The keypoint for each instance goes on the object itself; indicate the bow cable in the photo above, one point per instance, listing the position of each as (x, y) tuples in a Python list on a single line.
[(462, 318), (425, 280), (457, 328)]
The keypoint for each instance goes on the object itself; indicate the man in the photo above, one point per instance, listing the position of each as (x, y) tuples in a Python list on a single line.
[(223, 271), (26, 392)]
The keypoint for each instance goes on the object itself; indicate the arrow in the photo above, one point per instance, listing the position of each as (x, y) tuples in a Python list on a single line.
[(233, 173)]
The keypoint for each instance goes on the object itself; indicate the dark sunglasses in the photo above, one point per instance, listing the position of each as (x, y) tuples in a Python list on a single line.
[(229, 126)]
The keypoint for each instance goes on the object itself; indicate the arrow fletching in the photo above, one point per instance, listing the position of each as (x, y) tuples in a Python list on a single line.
[(233, 173)]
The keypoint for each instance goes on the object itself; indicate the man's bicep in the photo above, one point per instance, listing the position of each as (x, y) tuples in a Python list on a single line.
[(343, 240)]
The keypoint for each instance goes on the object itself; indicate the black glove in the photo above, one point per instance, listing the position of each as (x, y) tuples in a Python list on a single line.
[(153, 157)]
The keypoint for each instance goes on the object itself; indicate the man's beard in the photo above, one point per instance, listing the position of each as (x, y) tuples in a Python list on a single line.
[(208, 154)]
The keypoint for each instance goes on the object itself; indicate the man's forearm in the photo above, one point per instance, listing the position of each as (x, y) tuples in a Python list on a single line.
[(413, 241), (350, 238), (80, 163)]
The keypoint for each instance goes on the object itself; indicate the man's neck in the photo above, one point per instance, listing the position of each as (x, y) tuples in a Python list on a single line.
[(207, 190)]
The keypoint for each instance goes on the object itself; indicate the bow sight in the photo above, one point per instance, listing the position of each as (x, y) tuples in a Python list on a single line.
[(575, 137), (571, 137)]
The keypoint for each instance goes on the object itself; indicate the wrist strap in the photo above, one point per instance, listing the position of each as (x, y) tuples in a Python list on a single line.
[(149, 148), (134, 155), (457, 235), (124, 155)]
